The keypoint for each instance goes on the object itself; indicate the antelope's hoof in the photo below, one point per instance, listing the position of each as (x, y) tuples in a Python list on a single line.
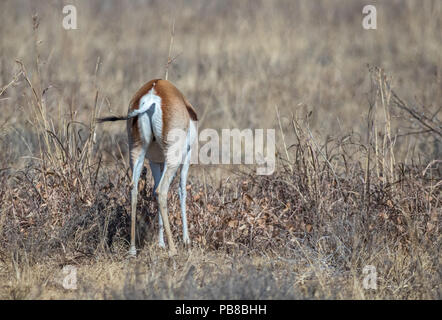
[(133, 251)]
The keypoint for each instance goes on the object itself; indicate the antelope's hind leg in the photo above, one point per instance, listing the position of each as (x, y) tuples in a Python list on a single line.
[(162, 190), (140, 137), (137, 160), (183, 194), (182, 191), (157, 171)]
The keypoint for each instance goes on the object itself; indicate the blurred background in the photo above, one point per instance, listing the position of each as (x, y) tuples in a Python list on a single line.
[(236, 61)]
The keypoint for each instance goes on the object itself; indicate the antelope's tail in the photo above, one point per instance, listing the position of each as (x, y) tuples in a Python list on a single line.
[(132, 114), (113, 118)]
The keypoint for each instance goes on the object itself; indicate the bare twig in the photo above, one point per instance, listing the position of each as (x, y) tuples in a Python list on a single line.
[(169, 59), (14, 80), (283, 139), (421, 118)]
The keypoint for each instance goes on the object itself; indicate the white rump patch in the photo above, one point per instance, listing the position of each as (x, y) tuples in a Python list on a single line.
[(151, 115), (147, 100)]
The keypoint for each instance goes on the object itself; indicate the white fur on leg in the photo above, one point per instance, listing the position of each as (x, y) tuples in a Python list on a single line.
[(183, 194), (157, 173), (182, 191), (161, 243)]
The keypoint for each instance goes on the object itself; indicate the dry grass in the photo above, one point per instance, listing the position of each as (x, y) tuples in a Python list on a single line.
[(358, 175)]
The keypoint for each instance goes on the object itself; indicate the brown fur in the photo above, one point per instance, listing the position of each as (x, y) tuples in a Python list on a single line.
[(176, 111)]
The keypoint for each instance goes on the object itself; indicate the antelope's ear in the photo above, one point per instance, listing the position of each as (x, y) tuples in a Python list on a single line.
[(191, 110)]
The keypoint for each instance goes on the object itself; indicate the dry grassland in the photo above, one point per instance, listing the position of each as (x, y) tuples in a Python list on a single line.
[(358, 172)]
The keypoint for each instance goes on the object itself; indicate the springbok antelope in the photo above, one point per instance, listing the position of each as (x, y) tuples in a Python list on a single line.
[(157, 113)]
